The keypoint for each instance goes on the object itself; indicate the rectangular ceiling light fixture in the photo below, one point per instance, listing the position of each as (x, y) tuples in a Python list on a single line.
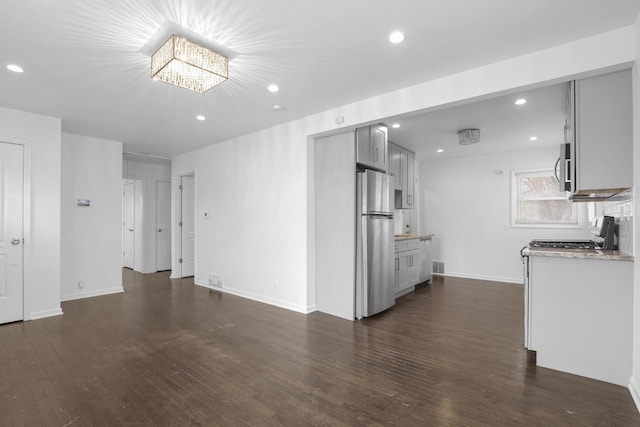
[(186, 64)]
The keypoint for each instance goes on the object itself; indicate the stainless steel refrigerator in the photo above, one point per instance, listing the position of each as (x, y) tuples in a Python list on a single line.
[(375, 273)]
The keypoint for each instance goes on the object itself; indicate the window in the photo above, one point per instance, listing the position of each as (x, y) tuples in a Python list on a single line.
[(538, 202)]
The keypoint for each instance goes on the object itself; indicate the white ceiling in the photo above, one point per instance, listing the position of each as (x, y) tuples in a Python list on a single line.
[(87, 62), (503, 125)]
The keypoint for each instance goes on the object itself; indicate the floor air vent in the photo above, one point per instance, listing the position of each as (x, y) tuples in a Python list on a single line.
[(438, 267)]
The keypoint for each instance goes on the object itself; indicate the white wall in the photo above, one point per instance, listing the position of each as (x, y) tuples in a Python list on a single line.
[(255, 236), (41, 137), (634, 385), (467, 205), (91, 242), (147, 175), (258, 186), (336, 257)]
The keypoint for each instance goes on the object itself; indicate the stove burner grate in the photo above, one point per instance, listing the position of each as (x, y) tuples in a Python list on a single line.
[(564, 244)]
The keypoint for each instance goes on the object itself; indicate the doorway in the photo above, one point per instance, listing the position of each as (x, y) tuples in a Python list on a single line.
[(11, 229), (128, 224), (163, 225), (186, 223)]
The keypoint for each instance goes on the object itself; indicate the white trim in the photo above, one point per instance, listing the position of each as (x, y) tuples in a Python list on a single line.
[(256, 297), (311, 308), (156, 223), (90, 294), (176, 216), (635, 392), (515, 281), (45, 313), (26, 222)]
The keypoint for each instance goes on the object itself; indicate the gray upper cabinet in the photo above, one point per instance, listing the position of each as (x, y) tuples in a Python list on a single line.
[(372, 147), (395, 165), (602, 141), (408, 199), (402, 167)]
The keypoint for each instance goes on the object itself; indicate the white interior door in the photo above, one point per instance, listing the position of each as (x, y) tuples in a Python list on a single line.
[(128, 239), (11, 237), (163, 226), (188, 226)]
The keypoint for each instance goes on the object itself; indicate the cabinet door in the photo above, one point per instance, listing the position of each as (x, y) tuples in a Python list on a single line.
[(379, 148), (403, 264), (408, 187), (414, 268), (411, 162), (364, 153), (407, 269), (397, 272), (604, 132), (371, 147), (395, 166)]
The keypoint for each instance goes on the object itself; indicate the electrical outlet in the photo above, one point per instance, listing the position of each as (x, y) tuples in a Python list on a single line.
[(81, 284)]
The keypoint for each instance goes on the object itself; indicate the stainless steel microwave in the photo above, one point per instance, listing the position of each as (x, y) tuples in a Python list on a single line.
[(563, 168)]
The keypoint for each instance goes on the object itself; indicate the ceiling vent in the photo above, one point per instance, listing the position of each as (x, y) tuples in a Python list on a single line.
[(469, 136)]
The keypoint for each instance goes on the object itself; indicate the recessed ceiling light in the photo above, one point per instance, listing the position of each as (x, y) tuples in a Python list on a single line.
[(273, 88), (201, 117), (395, 125), (520, 101), (533, 138), (396, 37), (15, 68), (439, 150), (277, 107)]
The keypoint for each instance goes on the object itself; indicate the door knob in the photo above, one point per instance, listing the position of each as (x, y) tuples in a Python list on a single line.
[(159, 230), (15, 241)]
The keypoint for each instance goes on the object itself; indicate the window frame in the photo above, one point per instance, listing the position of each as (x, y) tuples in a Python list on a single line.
[(515, 174)]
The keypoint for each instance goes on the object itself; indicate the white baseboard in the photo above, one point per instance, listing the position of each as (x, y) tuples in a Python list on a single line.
[(90, 294), (256, 297), (635, 392), (311, 308), (518, 280), (45, 313)]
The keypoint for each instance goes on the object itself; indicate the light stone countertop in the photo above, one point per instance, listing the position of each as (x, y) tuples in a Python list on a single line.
[(577, 253), (413, 236)]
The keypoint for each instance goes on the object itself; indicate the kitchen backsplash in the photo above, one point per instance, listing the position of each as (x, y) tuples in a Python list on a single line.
[(620, 207), (404, 221)]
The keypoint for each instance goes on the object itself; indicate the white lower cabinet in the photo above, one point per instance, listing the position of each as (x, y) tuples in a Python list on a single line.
[(407, 265), (579, 316)]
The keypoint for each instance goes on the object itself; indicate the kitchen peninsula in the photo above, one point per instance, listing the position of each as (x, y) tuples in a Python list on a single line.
[(578, 311)]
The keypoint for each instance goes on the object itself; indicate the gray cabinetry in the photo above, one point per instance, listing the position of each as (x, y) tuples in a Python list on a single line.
[(408, 190), (407, 265), (372, 147), (395, 166), (601, 140), (402, 167)]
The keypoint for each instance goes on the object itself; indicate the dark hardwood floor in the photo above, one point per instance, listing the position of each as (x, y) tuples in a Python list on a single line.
[(168, 353)]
